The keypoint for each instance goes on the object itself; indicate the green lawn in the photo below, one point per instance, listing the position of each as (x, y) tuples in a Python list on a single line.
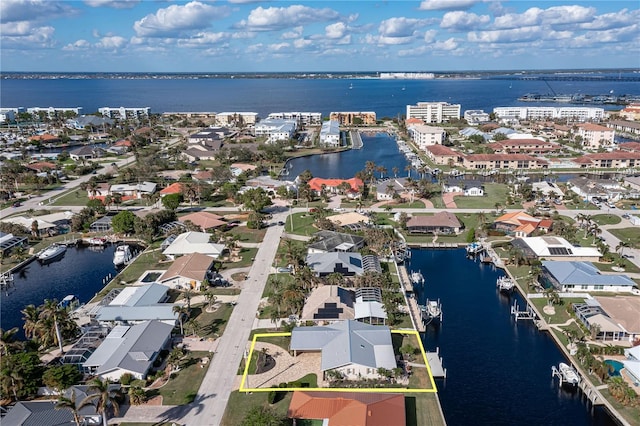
[(186, 381), (247, 235), (561, 316), (240, 404), (493, 193), (302, 224), (212, 324), (630, 235), (76, 197), (247, 255), (144, 262), (606, 219)]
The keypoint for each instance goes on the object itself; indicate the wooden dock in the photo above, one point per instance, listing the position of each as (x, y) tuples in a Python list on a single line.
[(412, 303), (435, 245)]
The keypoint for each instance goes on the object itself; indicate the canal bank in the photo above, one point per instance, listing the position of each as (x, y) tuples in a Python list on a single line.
[(498, 370)]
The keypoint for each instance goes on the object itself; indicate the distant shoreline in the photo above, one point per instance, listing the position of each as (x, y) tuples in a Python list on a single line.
[(596, 74)]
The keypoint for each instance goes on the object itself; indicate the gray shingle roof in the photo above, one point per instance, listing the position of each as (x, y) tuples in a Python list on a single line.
[(347, 342), (37, 413)]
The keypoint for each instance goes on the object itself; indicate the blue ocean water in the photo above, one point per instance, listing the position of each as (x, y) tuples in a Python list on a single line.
[(498, 370), (80, 272), (388, 98)]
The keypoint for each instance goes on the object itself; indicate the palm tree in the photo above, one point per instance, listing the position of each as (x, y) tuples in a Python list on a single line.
[(620, 247), (210, 298), (103, 398), (180, 310), (137, 395), (7, 339), (49, 324), (69, 404), (30, 318)]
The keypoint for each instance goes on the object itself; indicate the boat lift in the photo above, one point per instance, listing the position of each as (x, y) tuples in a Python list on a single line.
[(528, 314)]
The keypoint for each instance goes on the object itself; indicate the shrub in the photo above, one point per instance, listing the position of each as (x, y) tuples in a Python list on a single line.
[(126, 379)]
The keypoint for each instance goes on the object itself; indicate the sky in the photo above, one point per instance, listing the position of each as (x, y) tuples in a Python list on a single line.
[(300, 36)]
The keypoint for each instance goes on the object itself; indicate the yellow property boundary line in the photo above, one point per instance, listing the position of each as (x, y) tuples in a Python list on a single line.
[(379, 390)]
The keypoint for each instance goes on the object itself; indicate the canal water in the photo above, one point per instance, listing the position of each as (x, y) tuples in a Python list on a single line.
[(498, 370), (80, 272)]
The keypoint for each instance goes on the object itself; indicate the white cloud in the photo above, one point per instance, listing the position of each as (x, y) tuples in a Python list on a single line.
[(400, 27), (463, 21), (112, 43), (447, 4), (276, 18), (115, 4), (430, 35), (613, 20), (279, 47), (557, 15), (77, 45), (293, 34), (336, 31), (302, 43), (449, 44), (204, 39), (33, 10), (30, 37), (506, 36), (175, 19)]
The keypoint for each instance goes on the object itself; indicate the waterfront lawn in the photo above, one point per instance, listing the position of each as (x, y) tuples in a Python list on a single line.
[(212, 324), (631, 235), (494, 193), (144, 262), (561, 316), (422, 409), (185, 383)]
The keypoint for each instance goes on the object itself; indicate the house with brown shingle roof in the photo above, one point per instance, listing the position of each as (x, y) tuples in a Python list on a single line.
[(443, 223), (204, 220), (349, 408), (41, 166), (188, 271)]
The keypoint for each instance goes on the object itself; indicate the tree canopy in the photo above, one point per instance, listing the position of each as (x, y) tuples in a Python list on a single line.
[(123, 222)]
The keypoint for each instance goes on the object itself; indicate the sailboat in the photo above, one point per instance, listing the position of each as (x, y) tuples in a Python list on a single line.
[(351, 86)]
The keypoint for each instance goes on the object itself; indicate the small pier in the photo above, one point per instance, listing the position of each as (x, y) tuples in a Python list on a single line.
[(435, 245), (527, 314), (410, 298), (6, 280), (435, 364)]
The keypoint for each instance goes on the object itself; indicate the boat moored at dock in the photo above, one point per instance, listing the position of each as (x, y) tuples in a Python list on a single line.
[(122, 255), (566, 373), (54, 251), (474, 248), (417, 278), (432, 310), (505, 284)]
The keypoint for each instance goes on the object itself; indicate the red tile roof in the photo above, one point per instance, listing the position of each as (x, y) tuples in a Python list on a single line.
[(349, 408), (441, 150), (316, 183), (40, 166), (174, 188), (123, 142)]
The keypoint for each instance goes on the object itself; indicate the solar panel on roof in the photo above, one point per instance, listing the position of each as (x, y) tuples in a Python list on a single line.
[(558, 251)]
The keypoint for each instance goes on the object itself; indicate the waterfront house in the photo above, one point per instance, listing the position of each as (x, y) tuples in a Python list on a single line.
[(520, 224), (330, 134), (548, 189), (502, 161), (597, 189), (443, 155), (524, 146), (391, 188), (301, 118), (329, 303), (44, 412), (276, 130), (468, 187), (575, 276), (607, 160), (236, 119), (103, 224), (555, 248), (346, 264), (86, 152), (133, 305), (443, 223), (615, 317), (632, 363), (349, 118), (424, 136), (189, 271), (349, 408), (10, 241), (335, 186), (629, 146), (193, 242), (205, 220), (625, 126), (595, 136), (330, 241), (356, 350), (368, 306), (624, 310), (593, 317), (129, 349)]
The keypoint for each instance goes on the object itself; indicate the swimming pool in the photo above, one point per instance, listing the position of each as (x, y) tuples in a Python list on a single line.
[(616, 365)]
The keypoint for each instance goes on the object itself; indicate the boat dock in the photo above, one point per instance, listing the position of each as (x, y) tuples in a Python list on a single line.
[(435, 364), (410, 298), (528, 314), (435, 245)]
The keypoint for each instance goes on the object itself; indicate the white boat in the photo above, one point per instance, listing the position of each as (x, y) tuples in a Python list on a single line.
[(95, 241), (52, 252), (505, 284), (70, 301), (431, 310), (474, 248), (122, 255), (417, 278), (568, 374)]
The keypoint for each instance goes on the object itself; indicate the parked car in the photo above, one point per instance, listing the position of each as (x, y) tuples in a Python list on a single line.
[(284, 270)]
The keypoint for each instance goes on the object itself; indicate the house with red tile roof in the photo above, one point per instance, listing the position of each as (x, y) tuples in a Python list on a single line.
[(45, 138), (443, 155), (349, 408), (614, 159), (174, 188), (524, 146), (521, 224), (332, 185), (41, 166), (503, 161)]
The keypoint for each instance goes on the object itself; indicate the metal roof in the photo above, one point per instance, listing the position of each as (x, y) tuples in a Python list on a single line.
[(347, 342), (579, 273)]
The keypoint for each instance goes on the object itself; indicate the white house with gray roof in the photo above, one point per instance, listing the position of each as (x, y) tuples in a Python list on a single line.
[(138, 304), (347, 264), (129, 349), (570, 276), (353, 348)]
